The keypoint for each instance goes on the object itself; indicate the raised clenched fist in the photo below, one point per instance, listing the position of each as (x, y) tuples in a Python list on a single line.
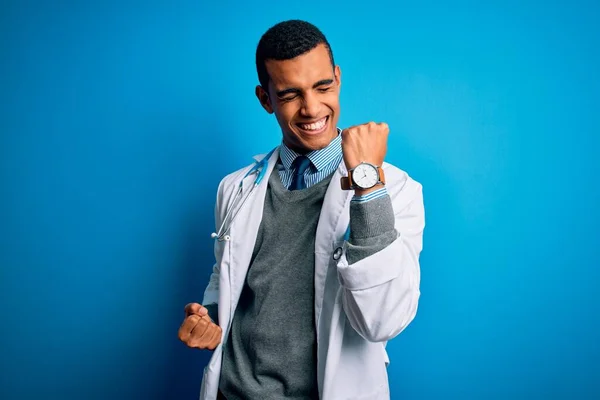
[(365, 143), (198, 330)]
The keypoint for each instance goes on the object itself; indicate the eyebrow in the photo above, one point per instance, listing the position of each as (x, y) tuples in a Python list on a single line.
[(322, 82)]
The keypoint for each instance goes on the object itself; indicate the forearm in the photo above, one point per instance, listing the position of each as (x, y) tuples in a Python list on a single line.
[(380, 298), (380, 272), (371, 225)]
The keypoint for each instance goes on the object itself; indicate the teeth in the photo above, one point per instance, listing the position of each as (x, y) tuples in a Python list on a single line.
[(315, 126)]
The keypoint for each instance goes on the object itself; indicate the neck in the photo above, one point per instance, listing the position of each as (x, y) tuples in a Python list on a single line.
[(300, 150)]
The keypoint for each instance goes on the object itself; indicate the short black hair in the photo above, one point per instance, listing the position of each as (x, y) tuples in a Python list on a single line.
[(287, 40)]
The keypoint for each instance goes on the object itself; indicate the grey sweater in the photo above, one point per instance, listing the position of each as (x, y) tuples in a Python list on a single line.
[(271, 349)]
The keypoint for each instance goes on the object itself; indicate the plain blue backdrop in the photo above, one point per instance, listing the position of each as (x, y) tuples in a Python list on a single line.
[(118, 120)]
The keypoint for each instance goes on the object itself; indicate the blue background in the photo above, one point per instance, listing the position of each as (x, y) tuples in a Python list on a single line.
[(118, 119)]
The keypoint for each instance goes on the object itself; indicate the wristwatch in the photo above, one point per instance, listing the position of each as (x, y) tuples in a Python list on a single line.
[(363, 176)]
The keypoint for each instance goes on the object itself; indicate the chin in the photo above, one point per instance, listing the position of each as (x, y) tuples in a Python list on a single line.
[(313, 144), (318, 140)]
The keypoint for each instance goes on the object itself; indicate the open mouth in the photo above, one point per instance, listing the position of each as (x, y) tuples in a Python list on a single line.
[(314, 127)]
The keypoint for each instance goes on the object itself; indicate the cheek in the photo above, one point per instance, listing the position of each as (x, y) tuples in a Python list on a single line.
[(332, 101), (286, 112)]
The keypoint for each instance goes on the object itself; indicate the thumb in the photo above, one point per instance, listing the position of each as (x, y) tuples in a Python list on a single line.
[(195, 309)]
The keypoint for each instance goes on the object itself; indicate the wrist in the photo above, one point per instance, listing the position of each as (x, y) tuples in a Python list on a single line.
[(363, 192), (363, 179), (381, 191)]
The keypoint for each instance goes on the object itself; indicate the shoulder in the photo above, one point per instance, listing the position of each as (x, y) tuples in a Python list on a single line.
[(230, 182)]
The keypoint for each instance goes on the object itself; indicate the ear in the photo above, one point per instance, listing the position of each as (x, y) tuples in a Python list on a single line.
[(338, 75), (263, 98)]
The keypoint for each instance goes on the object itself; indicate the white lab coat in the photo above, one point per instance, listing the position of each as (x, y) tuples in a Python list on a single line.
[(358, 308)]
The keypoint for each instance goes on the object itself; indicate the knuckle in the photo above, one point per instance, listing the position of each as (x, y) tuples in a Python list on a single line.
[(201, 328), (204, 330), (185, 339), (183, 332)]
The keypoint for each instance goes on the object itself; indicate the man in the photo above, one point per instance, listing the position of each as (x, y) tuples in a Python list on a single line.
[(320, 267)]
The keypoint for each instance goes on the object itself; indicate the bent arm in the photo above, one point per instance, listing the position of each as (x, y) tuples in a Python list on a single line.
[(379, 271)]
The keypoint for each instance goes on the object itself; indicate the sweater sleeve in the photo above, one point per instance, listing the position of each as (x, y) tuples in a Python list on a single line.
[(371, 228)]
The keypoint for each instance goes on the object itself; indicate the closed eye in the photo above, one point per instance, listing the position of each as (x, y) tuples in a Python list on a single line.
[(288, 98)]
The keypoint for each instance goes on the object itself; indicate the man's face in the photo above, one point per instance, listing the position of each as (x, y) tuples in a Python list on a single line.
[(304, 95)]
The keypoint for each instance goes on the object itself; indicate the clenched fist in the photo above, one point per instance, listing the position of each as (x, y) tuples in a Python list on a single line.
[(198, 330), (365, 143)]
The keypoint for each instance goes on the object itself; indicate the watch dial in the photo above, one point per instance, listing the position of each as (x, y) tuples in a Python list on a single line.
[(365, 176)]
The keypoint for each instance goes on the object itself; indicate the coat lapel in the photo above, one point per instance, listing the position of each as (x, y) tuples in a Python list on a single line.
[(332, 225), (244, 230)]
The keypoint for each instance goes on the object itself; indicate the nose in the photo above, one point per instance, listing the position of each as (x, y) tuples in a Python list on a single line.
[(310, 106)]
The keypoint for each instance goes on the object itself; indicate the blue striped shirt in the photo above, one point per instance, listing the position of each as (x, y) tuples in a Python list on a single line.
[(323, 163)]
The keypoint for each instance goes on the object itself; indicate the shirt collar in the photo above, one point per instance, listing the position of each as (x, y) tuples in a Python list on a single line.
[(319, 158)]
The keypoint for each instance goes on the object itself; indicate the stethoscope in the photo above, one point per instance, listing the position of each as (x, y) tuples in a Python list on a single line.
[(260, 169)]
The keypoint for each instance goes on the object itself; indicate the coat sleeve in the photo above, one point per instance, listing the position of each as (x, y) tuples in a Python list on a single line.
[(380, 292)]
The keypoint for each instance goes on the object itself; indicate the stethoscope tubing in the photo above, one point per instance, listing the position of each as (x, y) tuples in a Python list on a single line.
[(260, 169)]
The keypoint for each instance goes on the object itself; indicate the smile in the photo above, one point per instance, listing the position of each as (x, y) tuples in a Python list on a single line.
[(314, 127)]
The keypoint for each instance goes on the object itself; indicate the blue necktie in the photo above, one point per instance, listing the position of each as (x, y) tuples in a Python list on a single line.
[(301, 163)]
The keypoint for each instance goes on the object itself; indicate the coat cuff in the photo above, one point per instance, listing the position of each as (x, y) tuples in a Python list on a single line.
[(365, 274), (210, 296), (213, 312)]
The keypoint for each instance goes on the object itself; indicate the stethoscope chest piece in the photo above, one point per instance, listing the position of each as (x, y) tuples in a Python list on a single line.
[(221, 238)]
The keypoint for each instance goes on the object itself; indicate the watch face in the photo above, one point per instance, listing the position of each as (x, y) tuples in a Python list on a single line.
[(365, 176)]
